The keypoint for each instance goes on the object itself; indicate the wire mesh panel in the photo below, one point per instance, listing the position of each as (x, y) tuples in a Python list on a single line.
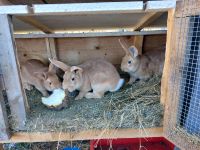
[(182, 111), (189, 105)]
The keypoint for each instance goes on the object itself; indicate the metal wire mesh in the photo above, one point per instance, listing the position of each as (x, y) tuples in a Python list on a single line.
[(188, 116)]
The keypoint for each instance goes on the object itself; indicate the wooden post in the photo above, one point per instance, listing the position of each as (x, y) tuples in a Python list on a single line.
[(11, 73), (4, 127), (166, 69), (51, 48), (138, 42)]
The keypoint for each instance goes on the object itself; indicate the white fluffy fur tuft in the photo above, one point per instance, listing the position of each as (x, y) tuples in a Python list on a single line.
[(119, 85), (54, 99)]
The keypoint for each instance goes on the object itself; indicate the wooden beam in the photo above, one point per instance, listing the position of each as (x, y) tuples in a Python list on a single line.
[(160, 6), (89, 8), (4, 126), (146, 20), (11, 74), (167, 68), (138, 43), (85, 135), (51, 48), (90, 34), (35, 23), (15, 9)]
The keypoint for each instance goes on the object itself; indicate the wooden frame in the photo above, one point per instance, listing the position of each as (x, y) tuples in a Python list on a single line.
[(85, 135), (11, 74), (89, 8), (4, 126), (17, 102), (176, 45), (90, 34)]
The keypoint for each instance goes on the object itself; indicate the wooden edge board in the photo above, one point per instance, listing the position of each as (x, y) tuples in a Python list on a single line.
[(35, 23), (15, 9), (90, 34), (89, 8), (85, 135), (160, 5)]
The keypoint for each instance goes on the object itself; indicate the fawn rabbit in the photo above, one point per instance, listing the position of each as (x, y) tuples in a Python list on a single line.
[(35, 73), (141, 66), (97, 76)]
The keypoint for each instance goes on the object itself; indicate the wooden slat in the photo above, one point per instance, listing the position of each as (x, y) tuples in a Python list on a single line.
[(90, 34), (13, 9), (85, 135), (35, 23), (147, 19), (138, 42), (11, 74), (166, 69), (187, 8), (51, 48), (160, 5), (4, 127), (89, 8)]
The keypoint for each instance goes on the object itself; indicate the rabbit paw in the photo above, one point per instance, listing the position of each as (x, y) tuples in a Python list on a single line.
[(131, 81), (80, 96)]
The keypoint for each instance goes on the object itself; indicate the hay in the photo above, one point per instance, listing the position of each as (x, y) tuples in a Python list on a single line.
[(83, 145), (131, 107)]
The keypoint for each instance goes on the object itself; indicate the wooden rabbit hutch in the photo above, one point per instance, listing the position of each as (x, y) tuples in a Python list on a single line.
[(78, 31)]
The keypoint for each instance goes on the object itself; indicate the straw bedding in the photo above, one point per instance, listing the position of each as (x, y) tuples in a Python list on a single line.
[(134, 106)]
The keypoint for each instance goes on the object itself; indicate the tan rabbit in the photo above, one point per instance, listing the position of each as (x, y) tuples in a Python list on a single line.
[(35, 73), (92, 78), (141, 66)]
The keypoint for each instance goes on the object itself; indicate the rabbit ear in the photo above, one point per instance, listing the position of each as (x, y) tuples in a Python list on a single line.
[(133, 51), (125, 48), (59, 64), (52, 68), (76, 69), (41, 75)]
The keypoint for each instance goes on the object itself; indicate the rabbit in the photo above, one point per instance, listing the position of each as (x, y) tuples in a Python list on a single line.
[(92, 78), (141, 66), (44, 78)]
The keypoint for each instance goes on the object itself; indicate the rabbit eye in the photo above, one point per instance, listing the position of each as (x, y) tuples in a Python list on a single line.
[(50, 83), (73, 79), (129, 62)]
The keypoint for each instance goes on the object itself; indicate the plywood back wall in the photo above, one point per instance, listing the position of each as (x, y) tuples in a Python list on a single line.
[(76, 50)]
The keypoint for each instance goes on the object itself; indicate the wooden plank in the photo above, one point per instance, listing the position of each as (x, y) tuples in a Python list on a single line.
[(15, 9), (77, 50), (166, 69), (187, 8), (91, 34), (35, 23), (33, 49), (51, 48), (146, 20), (85, 135), (138, 42), (154, 42), (160, 5), (89, 8), (11, 74), (74, 51), (4, 126)]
